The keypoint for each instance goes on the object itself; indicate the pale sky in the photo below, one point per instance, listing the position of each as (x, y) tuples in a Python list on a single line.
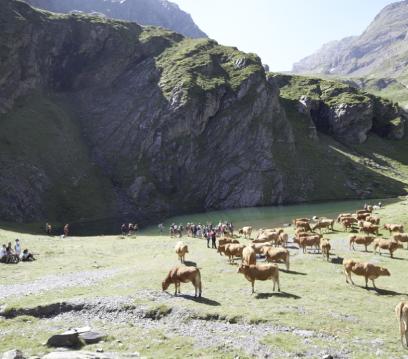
[(281, 32)]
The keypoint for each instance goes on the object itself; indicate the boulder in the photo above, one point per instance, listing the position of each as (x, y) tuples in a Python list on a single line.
[(90, 337), (13, 354), (69, 339)]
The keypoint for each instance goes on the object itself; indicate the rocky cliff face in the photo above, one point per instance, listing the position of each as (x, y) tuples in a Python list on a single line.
[(102, 118), (380, 51), (144, 12)]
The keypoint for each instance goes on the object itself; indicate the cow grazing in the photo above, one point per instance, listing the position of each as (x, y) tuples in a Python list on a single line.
[(325, 248), (300, 220), (390, 245), (364, 269), (347, 222), (394, 227), (364, 240), (401, 237), (181, 250), (277, 255), (233, 250), (266, 236), (260, 272), (324, 223), (246, 231), (373, 220), (248, 255), (221, 249), (179, 275), (401, 311), (223, 241)]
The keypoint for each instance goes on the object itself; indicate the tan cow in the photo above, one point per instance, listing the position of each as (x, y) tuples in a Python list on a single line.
[(342, 215), (368, 228), (390, 245), (277, 255), (260, 272), (401, 311), (309, 241), (364, 269), (223, 241), (305, 225), (181, 250), (373, 219), (266, 237), (401, 237), (283, 239), (246, 231), (233, 250), (364, 240), (179, 275), (300, 220), (248, 255), (325, 248), (394, 227), (348, 222), (324, 223), (258, 246)]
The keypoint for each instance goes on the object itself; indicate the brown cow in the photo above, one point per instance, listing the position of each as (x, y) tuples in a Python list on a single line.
[(364, 269), (390, 245), (401, 237), (365, 240), (373, 219), (342, 215), (179, 275), (362, 216), (305, 225), (248, 255), (309, 241), (283, 239), (264, 237), (368, 228), (401, 311), (260, 272), (324, 223), (394, 227), (246, 231), (277, 255), (233, 250), (258, 246), (348, 222), (325, 248), (300, 220), (224, 241)]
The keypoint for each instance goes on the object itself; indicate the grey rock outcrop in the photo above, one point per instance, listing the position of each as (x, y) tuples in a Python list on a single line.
[(144, 12)]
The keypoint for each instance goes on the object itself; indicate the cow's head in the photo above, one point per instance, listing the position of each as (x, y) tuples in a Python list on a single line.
[(242, 268), (385, 271), (165, 285)]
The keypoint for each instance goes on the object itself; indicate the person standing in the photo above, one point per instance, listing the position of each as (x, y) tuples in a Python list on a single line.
[(214, 239), (208, 235), (17, 248), (123, 229), (66, 230)]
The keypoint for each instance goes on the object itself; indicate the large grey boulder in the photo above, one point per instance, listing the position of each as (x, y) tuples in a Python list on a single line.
[(69, 339)]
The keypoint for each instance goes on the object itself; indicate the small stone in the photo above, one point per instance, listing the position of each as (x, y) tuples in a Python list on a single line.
[(99, 350), (328, 356)]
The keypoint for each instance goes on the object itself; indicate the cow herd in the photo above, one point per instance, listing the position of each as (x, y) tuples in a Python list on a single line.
[(272, 245)]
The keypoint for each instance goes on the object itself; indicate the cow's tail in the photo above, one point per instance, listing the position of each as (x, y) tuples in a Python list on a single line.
[(197, 281)]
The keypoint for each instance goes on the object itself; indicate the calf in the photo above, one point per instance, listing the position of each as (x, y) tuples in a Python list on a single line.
[(233, 250), (277, 255), (325, 248), (390, 245), (364, 269), (324, 223), (246, 231), (181, 250), (260, 272), (365, 240), (179, 275)]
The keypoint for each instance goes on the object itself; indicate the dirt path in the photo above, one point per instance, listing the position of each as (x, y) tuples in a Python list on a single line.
[(50, 282)]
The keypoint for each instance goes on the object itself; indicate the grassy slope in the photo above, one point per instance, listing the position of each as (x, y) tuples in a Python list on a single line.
[(315, 297)]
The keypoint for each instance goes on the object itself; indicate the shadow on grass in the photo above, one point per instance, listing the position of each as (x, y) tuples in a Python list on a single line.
[(190, 264), (294, 272), (386, 292), (276, 294), (201, 300), (337, 260)]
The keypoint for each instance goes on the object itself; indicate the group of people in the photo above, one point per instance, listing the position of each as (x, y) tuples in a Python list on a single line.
[(129, 229), (10, 254)]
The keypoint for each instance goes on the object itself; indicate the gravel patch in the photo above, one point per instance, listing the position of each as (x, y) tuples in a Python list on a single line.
[(51, 282)]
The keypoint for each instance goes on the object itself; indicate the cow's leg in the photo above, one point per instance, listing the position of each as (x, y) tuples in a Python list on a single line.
[(366, 282), (175, 288), (277, 282), (391, 254), (373, 283), (253, 289), (366, 249)]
